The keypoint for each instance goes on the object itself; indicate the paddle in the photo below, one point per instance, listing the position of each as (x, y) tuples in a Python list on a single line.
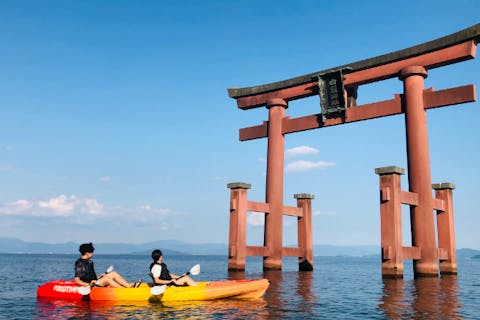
[(86, 290), (195, 270), (157, 290), (109, 269)]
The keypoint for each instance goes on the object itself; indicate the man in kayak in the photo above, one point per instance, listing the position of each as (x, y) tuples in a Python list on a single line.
[(85, 272), (161, 275)]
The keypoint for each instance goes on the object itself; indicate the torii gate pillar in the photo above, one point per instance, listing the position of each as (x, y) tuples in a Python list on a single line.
[(274, 186), (419, 176)]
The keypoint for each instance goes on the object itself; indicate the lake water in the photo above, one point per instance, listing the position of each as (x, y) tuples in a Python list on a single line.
[(338, 288)]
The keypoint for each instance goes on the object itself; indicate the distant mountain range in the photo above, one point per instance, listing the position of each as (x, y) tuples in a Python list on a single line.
[(174, 247), (170, 247)]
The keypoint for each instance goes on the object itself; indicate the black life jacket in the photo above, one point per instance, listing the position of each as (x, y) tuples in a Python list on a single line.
[(164, 274), (84, 270)]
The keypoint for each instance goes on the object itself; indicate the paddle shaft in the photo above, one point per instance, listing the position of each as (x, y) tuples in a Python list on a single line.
[(183, 275)]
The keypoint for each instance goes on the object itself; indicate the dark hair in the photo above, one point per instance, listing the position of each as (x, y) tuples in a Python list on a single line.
[(156, 254), (86, 247)]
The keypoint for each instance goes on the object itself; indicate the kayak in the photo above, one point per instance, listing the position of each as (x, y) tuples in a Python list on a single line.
[(235, 289)]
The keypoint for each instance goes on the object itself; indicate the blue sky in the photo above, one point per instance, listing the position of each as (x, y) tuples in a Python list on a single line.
[(116, 125)]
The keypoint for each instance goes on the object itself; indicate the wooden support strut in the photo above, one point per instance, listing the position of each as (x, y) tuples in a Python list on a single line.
[(445, 228), (239, 206), (391, 197), (432, 99)]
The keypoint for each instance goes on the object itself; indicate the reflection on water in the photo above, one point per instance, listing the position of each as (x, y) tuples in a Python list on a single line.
[(224, 308), (64, 309), (421, 298), (288, 287), (61, 309)]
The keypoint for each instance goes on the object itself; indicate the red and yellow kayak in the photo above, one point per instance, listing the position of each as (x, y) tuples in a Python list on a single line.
[(235, 289)]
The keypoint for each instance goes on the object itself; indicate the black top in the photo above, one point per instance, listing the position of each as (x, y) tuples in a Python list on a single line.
[(84, 270), (164, 274)]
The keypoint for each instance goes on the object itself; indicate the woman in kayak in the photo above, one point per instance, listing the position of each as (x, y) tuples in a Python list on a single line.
[(85, 272), (161, 275)]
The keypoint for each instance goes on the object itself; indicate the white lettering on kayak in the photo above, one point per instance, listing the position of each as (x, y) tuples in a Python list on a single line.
[(65, 289)]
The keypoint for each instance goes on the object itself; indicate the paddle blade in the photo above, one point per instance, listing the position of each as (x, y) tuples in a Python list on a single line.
[(84, 290), (110, 269), (195, 270), (157, 290)]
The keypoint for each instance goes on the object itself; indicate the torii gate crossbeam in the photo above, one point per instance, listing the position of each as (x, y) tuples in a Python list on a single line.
[(453, 48)]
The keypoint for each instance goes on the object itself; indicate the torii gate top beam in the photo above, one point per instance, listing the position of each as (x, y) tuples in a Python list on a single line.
[(450, 49)]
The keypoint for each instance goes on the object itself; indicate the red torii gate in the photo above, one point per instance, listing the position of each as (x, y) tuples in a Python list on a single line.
[(337, 88)]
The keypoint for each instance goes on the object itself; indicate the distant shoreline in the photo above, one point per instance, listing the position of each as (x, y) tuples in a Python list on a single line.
[(180, 248)]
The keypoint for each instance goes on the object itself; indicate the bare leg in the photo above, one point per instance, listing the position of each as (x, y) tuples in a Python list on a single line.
[(113, 279), (186, 280)]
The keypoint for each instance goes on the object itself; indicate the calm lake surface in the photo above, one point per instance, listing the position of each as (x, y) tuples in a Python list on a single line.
[(338, 288)]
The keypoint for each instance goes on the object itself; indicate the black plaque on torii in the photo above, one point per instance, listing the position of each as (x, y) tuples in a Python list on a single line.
[(331, 91)]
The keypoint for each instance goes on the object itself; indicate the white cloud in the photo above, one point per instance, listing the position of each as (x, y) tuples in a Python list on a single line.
[(324, 213), (15, 207), (88, 213), (91, 206), (61, 206), (220, 178), (146, 208), (142, 215), (256, 219), (301, 150), (105, 179), (78, 218), (303, 165)]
